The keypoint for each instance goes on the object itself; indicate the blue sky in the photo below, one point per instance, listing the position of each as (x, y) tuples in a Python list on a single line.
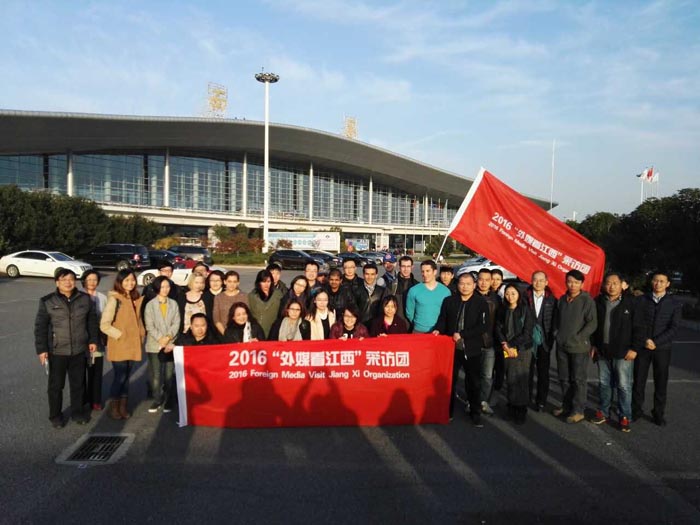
[(455, 84)]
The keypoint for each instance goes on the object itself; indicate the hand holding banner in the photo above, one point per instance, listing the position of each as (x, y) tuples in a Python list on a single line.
[(511, 230)]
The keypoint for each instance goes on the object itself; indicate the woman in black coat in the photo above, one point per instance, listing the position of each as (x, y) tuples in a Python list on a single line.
[(514, 324), (242, 326)]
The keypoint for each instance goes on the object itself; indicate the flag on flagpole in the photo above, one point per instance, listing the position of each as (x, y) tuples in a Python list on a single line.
[(511, 230)]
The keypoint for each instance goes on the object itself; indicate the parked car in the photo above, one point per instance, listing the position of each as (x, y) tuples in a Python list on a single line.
[(180, 276), (119, 256), (477, 263), (333, 261), (158, 257), (359, 259), (196, 253), (296, 259), (376, 257), (40, 263)]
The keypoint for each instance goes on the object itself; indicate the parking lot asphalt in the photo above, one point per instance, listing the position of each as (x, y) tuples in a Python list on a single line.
[(542, 472)]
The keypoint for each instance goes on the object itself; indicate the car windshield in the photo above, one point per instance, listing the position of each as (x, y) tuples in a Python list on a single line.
[(60, 256)]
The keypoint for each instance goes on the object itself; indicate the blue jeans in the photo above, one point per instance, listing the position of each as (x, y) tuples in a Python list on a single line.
[(615, 373), (488, 359), (120, 383)]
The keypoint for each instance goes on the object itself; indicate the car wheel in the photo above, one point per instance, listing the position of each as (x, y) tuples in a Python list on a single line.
[(122, 265), (12, 271), (148, 279)]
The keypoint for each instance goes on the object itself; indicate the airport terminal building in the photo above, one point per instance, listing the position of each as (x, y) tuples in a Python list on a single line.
[(192, 173)]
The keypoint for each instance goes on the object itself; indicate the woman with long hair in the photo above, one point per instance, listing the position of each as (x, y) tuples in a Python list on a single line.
[(162, 319), (264, 301), (93, 385), (192, 302), (224, 301), (321, 316), (242, 326), (514, 324), (298, 289), (121, 323), (388, 322), (348, 327)]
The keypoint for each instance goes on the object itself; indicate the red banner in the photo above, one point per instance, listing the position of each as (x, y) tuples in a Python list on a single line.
[(394, 380), (511, 230)]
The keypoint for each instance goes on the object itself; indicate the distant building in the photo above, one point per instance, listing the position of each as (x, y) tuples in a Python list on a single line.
[(192, 173)]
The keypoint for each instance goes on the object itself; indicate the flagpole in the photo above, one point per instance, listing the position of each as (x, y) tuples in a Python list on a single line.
[(551, 184)]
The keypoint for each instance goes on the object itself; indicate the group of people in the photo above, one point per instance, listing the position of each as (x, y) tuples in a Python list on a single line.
[(502, 333)]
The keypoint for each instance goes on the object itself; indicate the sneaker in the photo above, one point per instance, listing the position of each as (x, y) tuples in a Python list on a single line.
[(167, 410), (58, 422), (476, 419), (97, 407), (81, 420), (599, 418), (154, 407), (559, 411), (575, 418), (486, 409), (625, 424)]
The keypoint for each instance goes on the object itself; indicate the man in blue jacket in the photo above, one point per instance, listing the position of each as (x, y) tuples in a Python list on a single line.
[(659, 316), (66, 327)]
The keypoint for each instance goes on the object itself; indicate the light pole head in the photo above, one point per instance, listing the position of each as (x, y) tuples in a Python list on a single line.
[(264, 77)]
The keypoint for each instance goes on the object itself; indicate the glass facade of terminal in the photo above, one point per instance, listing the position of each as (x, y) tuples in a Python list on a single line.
[(235, 185)]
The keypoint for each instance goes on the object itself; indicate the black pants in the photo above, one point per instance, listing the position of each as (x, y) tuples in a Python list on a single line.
[(661, 360), (540, 366), (472, 380), (59, 366), (93, 387)]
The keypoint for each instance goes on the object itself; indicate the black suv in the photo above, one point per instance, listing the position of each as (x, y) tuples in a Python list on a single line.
[(295, 260), (119, 257), (196, 253)]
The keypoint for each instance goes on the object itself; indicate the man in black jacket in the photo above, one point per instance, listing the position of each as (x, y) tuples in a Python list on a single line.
[(544, 305), (402, 284), (339, 296), (369, 296), (612, 346), (465, 317), (66, 327), (488, 353), (658, 318)]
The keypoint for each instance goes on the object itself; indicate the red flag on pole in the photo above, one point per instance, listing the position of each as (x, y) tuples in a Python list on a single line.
[(511, 230)]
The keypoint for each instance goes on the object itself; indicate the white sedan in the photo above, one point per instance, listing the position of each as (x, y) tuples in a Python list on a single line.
[(476, 264), (39, 263), (180, 276)]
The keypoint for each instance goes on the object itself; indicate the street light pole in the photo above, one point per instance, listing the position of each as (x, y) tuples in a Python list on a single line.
[(267, 79)]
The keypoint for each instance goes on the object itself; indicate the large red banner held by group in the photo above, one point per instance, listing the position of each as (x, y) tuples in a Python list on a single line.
[(511, 230), (394, 380)]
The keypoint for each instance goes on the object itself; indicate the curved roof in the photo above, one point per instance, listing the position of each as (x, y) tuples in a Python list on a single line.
[(33, 132)]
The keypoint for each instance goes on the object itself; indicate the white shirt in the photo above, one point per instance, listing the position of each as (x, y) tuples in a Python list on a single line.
[(539, 299)]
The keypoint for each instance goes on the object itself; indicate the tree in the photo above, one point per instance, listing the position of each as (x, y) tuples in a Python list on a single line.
[(222, 232), (434, 244), (135, 229)]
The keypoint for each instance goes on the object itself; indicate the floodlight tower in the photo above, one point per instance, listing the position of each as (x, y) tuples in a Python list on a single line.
[(267, 79)]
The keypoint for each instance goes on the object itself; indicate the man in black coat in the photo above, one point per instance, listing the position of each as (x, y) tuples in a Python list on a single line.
[(400, 286), (339, 296), (658, 318), (612, 347), (464, 317), (65, 329), (544, 305), (369, 296)]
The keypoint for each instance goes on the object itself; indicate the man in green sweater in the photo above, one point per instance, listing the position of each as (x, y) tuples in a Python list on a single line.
[(575, 323)]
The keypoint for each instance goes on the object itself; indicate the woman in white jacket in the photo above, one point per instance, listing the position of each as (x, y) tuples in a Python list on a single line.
[(162, 320), (320, 317)]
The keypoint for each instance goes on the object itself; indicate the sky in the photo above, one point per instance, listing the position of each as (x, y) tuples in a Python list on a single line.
[(454, 84)]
